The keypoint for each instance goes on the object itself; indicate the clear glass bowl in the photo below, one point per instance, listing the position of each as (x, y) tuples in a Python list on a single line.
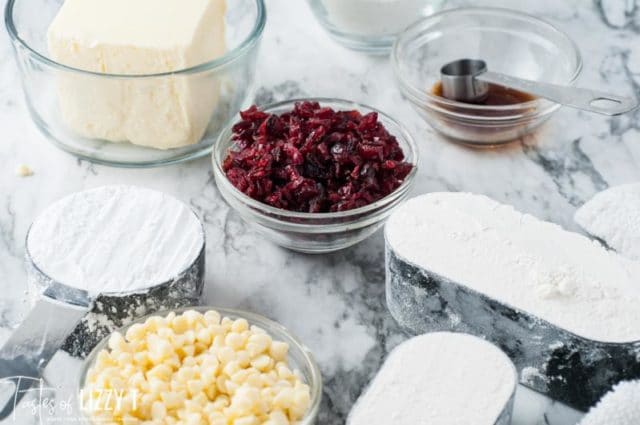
[(229, 78), (367, 25), (300, 357), (510, 42), (316, 232)]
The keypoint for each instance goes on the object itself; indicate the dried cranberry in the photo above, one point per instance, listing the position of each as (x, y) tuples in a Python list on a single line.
[(314, 159)]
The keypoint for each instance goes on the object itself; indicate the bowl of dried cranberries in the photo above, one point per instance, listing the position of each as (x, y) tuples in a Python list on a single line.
[(315, 175)]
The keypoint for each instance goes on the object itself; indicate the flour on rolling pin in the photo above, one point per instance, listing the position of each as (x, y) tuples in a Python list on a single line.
[(440, 378), (613, 216), (136, 250)]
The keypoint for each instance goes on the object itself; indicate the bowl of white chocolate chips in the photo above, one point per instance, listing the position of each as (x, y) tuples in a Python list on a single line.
[(201, 366)]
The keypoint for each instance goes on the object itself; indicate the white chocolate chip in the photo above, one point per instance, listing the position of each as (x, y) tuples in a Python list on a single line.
[(195, 368), (24, 171)]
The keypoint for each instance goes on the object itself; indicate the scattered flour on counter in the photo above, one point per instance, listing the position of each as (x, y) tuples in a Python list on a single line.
[(620, 406), (433, 379), (613, 215), (559, 276), (114, 239)]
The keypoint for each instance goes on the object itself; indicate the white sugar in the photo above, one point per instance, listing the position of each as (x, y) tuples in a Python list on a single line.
[(375, 17), (115, 239), (613, 215), (620, 406), (433, 379)]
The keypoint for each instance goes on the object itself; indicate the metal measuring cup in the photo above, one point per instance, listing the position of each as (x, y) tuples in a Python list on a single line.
[(64, 316), (467, 80)]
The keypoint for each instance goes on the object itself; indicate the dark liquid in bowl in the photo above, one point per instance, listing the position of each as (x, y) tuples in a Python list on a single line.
[(489, 126), (498, 95)]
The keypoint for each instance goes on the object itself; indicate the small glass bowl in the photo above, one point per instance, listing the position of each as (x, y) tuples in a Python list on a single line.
[(370, 26), (228, 78), (316, 233), (510, 42), (300, 357)]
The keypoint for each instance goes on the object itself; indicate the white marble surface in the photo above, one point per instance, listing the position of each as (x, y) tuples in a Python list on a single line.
[(335, 303)]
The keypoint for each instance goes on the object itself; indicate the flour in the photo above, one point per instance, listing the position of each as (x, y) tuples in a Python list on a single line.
[(115, 239), (434, 379), (613, 215), (529, 374), (620, 406), (536, 266), (374, 17)]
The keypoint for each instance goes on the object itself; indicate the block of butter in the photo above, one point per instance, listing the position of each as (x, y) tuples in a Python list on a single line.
[(138, 37)]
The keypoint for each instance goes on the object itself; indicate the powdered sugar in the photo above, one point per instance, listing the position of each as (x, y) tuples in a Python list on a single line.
[(620, 406), (613, 215), (115, 239), (433, 379)]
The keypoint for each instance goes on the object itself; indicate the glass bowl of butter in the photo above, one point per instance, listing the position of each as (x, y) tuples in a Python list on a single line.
[(135, 84)]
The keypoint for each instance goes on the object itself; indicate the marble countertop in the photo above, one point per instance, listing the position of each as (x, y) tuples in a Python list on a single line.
[(335, 303)]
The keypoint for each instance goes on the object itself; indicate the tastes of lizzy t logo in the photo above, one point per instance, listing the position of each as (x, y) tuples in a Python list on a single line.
[(35, 401), (109, 399)]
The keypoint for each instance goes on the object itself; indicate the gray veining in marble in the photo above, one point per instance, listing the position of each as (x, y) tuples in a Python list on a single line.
[(335, 303)]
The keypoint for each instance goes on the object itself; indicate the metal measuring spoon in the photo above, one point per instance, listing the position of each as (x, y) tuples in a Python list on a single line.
[(466, 80)]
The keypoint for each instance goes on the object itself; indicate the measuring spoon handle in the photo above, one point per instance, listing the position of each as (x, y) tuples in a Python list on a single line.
[(585, 99)]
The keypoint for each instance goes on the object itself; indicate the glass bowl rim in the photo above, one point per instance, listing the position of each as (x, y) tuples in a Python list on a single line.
[(273, 328), (404, 134), (377, 42), (254, 36), (423, 97)]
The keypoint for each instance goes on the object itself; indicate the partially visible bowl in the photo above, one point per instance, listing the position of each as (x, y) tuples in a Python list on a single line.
[(229, 78), (299, 356), (316, 232), (370, 26), (510, 42)]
